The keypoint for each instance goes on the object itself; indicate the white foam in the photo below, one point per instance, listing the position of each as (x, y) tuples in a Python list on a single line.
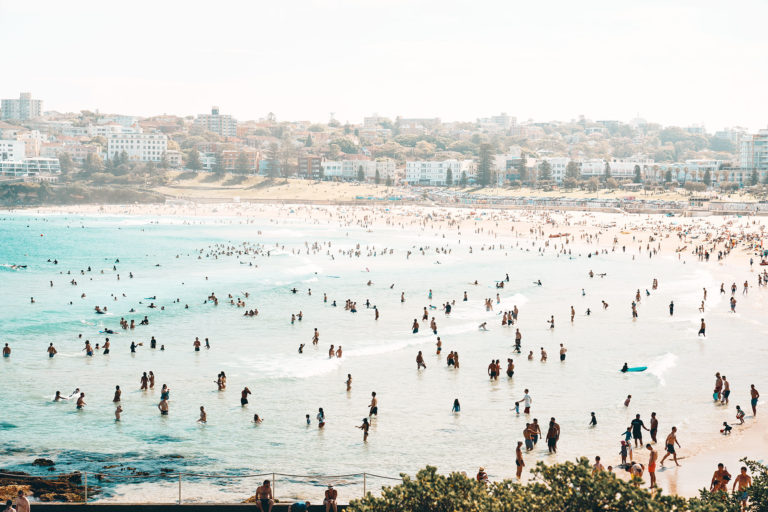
[(661, 365)]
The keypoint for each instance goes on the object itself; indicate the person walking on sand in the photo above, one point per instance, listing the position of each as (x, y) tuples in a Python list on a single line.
[(670, 443), (653, 455)]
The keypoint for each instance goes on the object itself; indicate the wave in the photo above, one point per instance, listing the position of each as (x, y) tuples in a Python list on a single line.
[(661, 365)]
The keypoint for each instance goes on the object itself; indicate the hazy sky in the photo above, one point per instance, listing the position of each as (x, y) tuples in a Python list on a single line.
[(671, 61)]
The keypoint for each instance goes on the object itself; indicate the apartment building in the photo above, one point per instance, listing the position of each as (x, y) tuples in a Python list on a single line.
[(224, 125), (21, 109), (141, 147)]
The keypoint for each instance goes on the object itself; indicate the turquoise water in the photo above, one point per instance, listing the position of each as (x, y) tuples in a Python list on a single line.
[(415, 426)]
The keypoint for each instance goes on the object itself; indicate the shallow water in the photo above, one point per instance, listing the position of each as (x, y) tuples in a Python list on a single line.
[(415, 426)]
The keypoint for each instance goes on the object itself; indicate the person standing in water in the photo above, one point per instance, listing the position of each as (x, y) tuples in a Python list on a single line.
[(754, 396), (420, 361), (203, 415), (519, 462), (364, 427), (373, 407), (456, 406)]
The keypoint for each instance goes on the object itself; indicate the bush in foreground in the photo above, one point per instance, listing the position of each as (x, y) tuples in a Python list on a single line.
[(561, 487)]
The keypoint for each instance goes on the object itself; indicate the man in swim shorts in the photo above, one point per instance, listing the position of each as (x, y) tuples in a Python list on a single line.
[(652, 464), (264, 499)]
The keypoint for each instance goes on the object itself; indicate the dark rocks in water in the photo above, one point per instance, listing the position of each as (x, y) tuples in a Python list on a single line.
[(43, 462), (67, 487)]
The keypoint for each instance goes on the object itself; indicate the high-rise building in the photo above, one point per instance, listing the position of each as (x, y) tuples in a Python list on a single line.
[(224, 125), (754, 152), (21, 109)]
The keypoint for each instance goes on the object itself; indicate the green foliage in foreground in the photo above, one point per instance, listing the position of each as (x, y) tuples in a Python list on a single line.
[(561, 487)]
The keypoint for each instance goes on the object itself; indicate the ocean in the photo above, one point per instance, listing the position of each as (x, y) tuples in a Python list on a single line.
[(181, 261)]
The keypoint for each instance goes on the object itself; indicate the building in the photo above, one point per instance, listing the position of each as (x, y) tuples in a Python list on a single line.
[(621, 168), (105, 130), (30, 167), (349, 170), (11, 150), (224, 125), (78, 152), (33, 142), (435, 173), (753, 154), (498, 124), (22, 109), (174, 159), (141, 147), (229, 159), (310, 166)]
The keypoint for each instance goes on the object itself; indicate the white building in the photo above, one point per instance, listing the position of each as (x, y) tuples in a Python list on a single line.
[(435, 173), (30, 167), (11, 150), (105, 130), (558, 164), (224, 125), (22, 109), (621, 168), (349, 170), (754, 151), (143, 147)]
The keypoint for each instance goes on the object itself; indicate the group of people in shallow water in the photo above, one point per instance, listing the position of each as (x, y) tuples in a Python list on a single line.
[(508, 318)]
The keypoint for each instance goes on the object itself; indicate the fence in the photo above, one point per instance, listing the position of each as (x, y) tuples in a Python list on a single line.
[(234, 487)]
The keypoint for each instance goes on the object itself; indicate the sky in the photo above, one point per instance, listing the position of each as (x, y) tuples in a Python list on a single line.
[(676, 62)]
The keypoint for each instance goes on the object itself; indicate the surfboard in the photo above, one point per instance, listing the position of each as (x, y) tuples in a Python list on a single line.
[(637, 369)]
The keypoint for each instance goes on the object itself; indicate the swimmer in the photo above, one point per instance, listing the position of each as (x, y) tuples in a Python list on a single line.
[(118, 411), (203, 416)]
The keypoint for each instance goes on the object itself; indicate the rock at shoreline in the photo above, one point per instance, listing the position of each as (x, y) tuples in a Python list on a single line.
[(66, 488), (43, 462)]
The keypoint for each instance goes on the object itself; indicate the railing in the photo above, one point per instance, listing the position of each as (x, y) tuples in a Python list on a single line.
[(345, 481)]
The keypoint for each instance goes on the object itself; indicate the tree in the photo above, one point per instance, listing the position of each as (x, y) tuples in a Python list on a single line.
[(360, 173), (164, 162), (463, 182), (572, 170), (346, 145), (668, 176), (150, 168), (638, 175), (449, 176), (707, 178), (124, 158), (93, 163), (754, 178), (193, 160), (523, 168), (242, 164), (218, 163), (273, 158), (377, 177), (389, 180), (593, 184), (485, 161), (66, 163), (570, 183), (308, 142), (606, 171), (545, 171), (611, 183)]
